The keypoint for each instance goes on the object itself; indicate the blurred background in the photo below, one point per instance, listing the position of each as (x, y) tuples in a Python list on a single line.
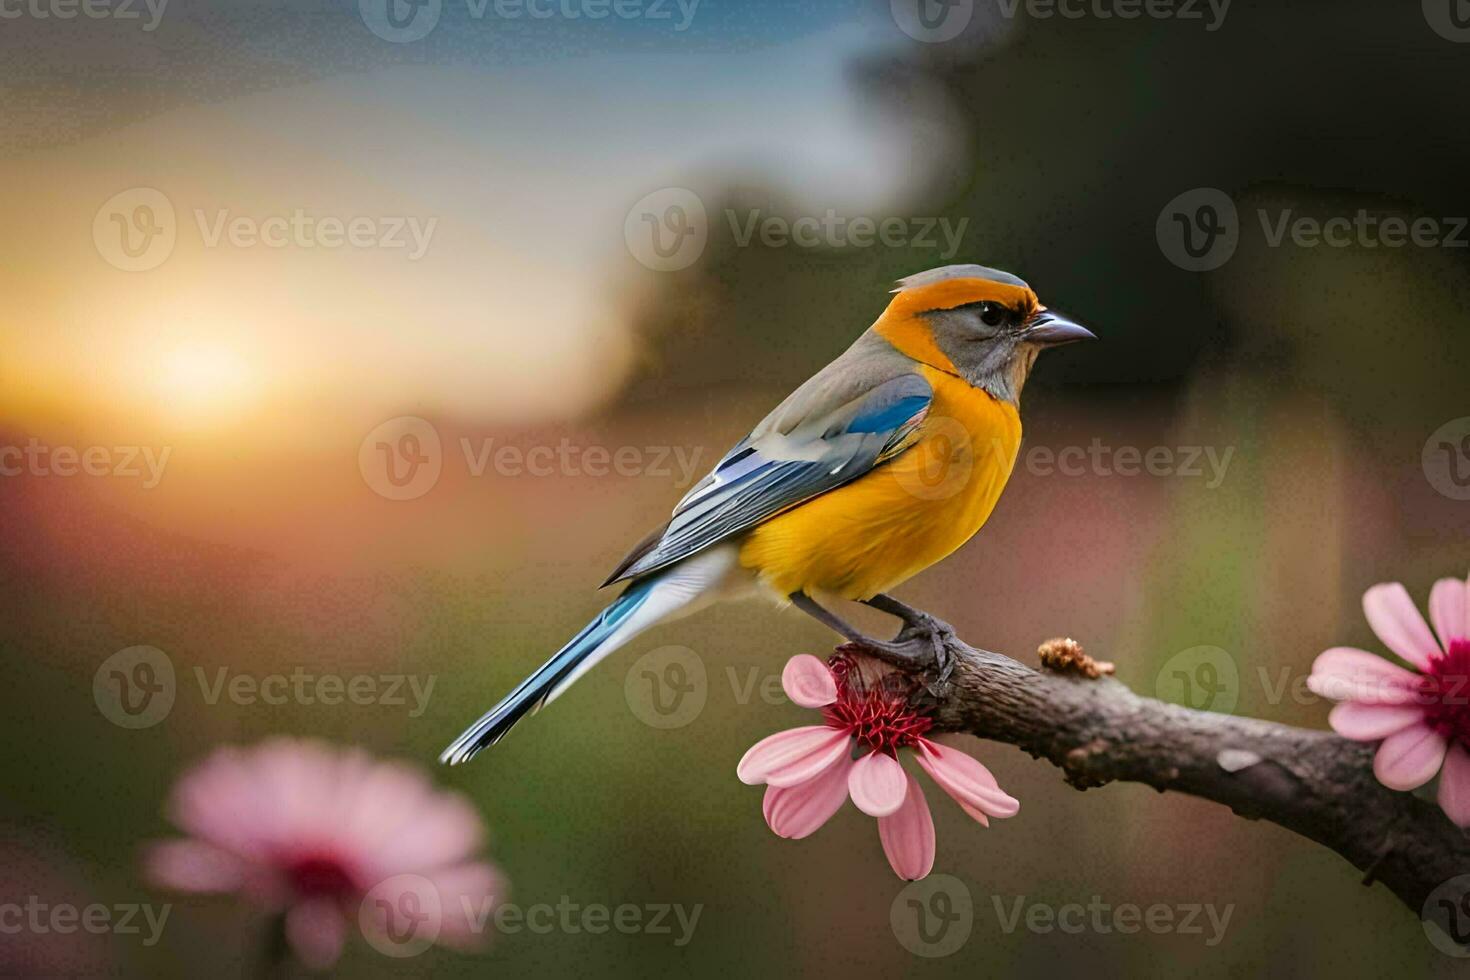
[(351, 340)]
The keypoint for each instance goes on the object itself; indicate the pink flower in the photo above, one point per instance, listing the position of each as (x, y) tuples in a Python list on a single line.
[(810, 771), (1422, 715), (308, 830)]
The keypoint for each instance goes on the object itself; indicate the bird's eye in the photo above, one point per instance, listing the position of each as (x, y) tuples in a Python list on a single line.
[(992, 314)]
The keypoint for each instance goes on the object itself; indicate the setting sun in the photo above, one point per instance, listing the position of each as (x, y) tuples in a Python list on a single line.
[(203, 384)]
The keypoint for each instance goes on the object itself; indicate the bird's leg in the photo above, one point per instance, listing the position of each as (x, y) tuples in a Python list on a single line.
[(918, 624), (915, 619), (905, 651), (829, 619)]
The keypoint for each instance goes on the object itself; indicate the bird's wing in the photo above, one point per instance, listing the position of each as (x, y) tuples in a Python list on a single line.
[(833, 429)]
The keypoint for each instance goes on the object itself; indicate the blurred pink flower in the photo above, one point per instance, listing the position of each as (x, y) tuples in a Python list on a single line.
[(1422, 715), (810, 771), (308, 830)]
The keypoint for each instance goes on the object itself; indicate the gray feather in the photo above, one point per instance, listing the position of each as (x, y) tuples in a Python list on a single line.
[(857, 412)]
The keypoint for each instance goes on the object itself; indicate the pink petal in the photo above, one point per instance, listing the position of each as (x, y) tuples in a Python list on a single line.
[(1409, 758), (908, 834), (798, 811), (812, 765), (1397, 622), (468, 896), (255, 811), (316, 931), (218, 800), (1449, 610), (808, 682), (255, 802), (1349, 674), (1454, 785), (192, 866), (444, 829), (785, 748), (877, 784), (965, 779), (974, 814), (384, 806), (1365, 722)]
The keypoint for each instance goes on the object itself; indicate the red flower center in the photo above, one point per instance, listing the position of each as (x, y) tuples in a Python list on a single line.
[(1445, 688), (879, 715), (317, 875)]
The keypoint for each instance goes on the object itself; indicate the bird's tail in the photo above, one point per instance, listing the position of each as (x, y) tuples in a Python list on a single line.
[(646, 602)]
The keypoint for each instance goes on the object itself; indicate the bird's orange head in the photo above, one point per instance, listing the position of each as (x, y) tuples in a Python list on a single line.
[(980, 324)]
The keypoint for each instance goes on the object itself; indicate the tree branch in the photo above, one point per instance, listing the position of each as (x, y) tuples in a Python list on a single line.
[(1097, 731)]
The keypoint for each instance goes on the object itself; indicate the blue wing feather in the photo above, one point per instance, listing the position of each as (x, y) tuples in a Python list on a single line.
[(767, 473)]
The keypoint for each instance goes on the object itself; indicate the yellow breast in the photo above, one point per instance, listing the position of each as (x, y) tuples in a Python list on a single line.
[(884, 527)]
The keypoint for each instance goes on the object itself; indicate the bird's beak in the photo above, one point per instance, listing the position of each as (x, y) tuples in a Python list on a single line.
[(1050, 329)]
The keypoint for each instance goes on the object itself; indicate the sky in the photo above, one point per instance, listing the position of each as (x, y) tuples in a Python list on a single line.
[(488, 171)]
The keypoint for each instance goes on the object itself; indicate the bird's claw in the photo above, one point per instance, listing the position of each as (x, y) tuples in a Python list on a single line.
[(946, 662), (924, 642), (921, 646), (937, 632), (932, 624), (909, 652)]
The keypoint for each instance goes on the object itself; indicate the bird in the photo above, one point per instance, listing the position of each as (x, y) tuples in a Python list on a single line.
[(882, 463)]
